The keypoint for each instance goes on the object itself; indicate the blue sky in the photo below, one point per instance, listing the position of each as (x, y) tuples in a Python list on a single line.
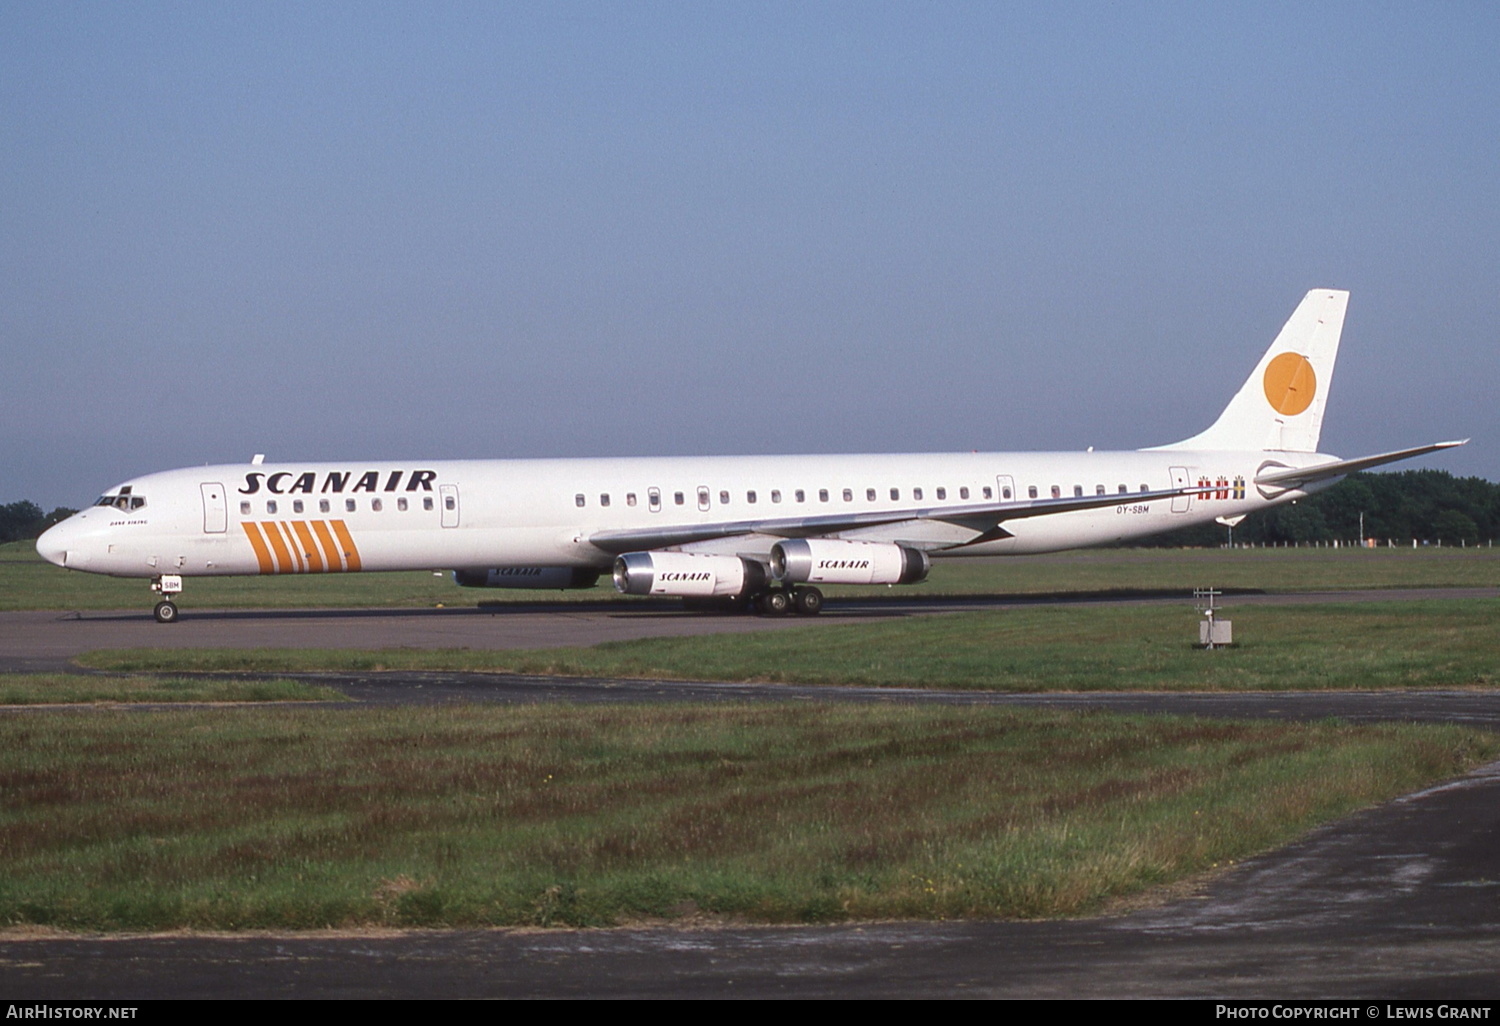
[(354, 231)]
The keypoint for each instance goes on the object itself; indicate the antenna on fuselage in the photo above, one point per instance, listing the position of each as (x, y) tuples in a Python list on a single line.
[(257, 459)]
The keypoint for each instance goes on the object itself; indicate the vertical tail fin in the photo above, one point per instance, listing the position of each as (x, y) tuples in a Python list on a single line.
[(1280, 406)]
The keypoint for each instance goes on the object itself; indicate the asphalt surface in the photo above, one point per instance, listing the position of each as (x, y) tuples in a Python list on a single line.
[(1400, 901), (38, 641)]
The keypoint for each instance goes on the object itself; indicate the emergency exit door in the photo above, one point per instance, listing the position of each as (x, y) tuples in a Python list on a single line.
[(448, 496)]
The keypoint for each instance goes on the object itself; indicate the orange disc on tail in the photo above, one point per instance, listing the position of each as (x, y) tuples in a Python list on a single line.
[(1290, 384)]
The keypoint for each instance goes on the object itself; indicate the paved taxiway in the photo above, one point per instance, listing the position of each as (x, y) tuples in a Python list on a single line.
[(35, 641), (1399, 901)]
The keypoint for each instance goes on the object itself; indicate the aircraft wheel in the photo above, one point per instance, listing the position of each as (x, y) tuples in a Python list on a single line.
[(774, 603), (807, 601), (165, 612)]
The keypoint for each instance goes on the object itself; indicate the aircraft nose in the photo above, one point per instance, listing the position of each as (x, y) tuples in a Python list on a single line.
[(53, 544)]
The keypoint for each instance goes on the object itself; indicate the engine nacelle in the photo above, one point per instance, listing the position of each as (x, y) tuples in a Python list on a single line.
[(687, 574), (826, 561), (550, 577)]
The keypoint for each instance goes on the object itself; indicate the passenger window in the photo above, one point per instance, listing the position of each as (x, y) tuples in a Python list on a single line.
[(1056, 492), (869, 495), (702, 498), (244, 509), (677, 498), (1077, 491), (578, 499), (1123, 490), (604, 499), (916, 493), (296, 505), (653, 499), (1031, 491), (750, 496), (426, 502), (942, 493), (449, 502), (822, 494), (723, 498), (963, 493), (1098, 489), (630, 498), (271, 506), (800, 495), (376, 505), (349, 505), (323, 505), (848, 494), (775, 494), (401, 505), (895, 495)]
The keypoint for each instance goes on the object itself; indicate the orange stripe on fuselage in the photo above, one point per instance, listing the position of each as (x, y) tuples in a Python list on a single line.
[(284, 564), (309, 547), (262, 554), (331, 555), (351, 554), (299, 565)]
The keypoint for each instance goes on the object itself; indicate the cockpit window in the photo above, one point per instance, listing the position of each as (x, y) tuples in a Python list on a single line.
[(124, 501)]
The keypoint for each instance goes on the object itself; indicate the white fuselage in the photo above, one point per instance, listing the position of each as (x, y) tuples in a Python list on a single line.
[(476, 514)]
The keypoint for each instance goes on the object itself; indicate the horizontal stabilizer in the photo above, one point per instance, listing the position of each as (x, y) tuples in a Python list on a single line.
[(1295, 477)]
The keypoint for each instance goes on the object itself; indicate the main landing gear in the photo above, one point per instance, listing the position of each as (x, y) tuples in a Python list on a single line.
[(772, 602), (168, 586), (779, 601)]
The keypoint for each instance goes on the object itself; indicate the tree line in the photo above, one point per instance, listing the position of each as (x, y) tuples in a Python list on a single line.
[(1430, 506), (22, 520)]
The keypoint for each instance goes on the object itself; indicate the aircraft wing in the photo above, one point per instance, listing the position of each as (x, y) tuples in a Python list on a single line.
[(1295, 477), (985, 518)]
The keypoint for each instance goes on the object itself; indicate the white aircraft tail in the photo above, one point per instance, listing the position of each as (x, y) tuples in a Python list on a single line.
[(1280, 406)]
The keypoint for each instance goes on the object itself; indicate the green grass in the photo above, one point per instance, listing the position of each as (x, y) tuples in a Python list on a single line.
[(28, 582), (1449, 643), (282, 818), (66, 688)]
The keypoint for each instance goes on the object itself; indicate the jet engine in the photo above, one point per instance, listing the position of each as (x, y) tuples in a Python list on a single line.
[(828, 561), (687, 574), (550, 577)]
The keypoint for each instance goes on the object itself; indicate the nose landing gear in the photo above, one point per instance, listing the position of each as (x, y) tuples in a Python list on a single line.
[(167, 586)]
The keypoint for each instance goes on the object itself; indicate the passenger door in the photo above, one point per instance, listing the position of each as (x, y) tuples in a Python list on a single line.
[(1181, 479), (215, 508)]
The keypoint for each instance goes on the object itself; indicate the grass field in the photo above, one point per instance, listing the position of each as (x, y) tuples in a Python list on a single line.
[(286, 818), (28, 582), (1054, 648), (262, 817)]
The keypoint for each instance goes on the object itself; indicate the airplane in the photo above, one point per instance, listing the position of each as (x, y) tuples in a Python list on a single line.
[(723, 531)]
